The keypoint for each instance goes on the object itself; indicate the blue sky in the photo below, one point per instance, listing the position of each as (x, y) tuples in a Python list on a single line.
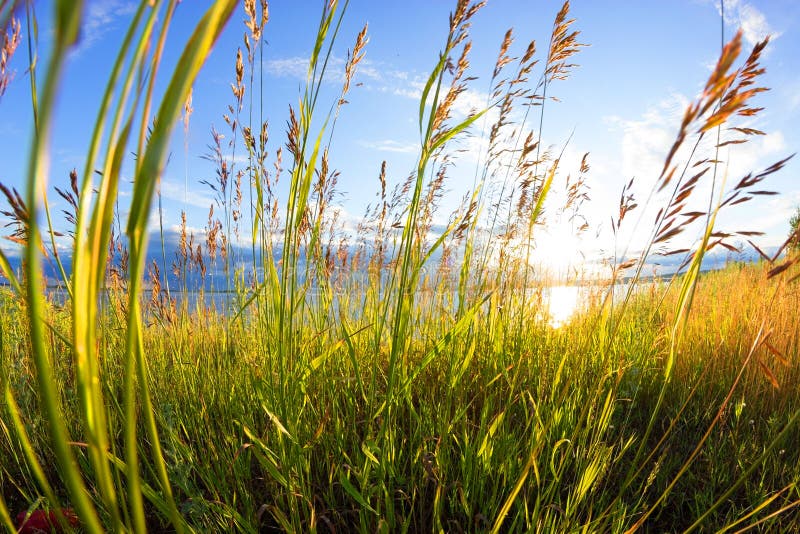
[(645, 62)]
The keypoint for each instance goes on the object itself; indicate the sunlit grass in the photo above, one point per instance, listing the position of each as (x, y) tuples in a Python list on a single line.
[(398, 380)]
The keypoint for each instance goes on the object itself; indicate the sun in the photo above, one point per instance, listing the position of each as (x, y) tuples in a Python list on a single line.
[(558, 251)]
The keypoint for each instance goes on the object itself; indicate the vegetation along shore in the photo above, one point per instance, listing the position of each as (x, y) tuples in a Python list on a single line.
[(280, 365)]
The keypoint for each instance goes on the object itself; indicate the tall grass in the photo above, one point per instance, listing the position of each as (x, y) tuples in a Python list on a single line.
[(396, 379)]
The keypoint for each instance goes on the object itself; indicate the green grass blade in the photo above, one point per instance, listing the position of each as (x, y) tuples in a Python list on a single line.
[(27, 446), (9, 273), (149, 168), (68, 16)]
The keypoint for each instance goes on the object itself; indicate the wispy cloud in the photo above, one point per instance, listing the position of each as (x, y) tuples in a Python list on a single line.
[(647, 140), (290, 67), (390, 145), (405, 88), (754, 24), (774, 218), (178, 193), (101, 18), (70, 157), (297, 67), (469, 102), (374, 75), (11, 129)]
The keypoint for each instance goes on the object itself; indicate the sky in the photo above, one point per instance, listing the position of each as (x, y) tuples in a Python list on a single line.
[(645, 62)]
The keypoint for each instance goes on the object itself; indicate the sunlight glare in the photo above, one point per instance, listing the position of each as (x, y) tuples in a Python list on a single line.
[(562, 303), (558, 250)]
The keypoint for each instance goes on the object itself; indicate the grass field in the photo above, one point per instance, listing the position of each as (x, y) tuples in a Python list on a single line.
[(396, 379)]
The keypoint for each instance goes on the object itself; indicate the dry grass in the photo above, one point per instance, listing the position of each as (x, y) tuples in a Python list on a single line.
[(390, 380)]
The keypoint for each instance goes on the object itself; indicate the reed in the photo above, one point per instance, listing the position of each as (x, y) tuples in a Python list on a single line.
[(392, 379)]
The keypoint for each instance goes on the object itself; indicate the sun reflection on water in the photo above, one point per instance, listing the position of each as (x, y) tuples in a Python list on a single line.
[(562, 303)]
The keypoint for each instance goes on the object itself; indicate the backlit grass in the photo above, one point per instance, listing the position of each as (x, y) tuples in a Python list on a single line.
[(396, 378)]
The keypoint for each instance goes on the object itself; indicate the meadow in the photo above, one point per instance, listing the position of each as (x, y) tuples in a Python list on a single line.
[(398, 379)]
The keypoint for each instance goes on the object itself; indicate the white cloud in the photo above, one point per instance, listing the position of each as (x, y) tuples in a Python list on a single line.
[(190, 230), (645, 144), (754, 155), (101, 17), (390, 145), (178, 193), (646, 141), (366, 68), (774, 218), (469, 102), (297, 67), (375, 76), (292, 67), (240, 159), (412, 91), (754, 24), (349, 222)]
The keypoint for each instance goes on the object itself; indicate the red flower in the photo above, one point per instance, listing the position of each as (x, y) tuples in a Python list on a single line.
[(44, 521)]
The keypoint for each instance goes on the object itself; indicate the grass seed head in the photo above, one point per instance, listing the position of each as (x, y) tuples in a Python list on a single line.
[(11, 39)]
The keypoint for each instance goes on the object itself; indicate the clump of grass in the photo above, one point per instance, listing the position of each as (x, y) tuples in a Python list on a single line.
[(349, 385)]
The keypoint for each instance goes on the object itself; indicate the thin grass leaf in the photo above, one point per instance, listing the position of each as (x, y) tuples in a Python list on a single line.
[(354, 493)]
